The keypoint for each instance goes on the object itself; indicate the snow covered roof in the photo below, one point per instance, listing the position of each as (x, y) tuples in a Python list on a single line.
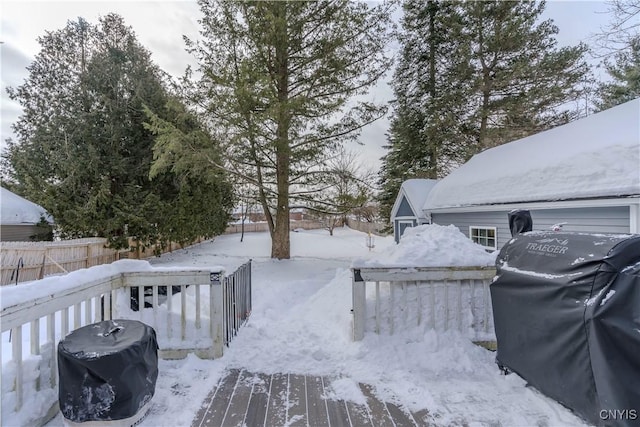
[(416, 192), (16, 210), (597, 156)]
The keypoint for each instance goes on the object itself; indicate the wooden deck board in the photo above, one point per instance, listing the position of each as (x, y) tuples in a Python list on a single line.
[(297, 414), (422, 418), (336, 409), (377, 409), (204, 412), (316, 405), (359, 415), (257, 410), (217, 407), (254, 399), (399, 416), (237, 409), (278, 398)]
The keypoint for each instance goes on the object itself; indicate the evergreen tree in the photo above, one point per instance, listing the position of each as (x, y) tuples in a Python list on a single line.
[(83, 151), (277, 80), (520, 79), (206, 197), (473, 75), (625, 74), (425, 139)]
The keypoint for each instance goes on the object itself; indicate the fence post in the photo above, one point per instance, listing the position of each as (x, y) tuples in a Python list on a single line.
[(359, 305), (216, 314)]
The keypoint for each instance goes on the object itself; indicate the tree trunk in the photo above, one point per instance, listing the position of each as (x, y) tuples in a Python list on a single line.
[(433, 152), (486, 89), (280, 242)]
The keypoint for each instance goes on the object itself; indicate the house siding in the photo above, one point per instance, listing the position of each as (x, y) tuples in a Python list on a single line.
[(17, 233), (405, 209), (615, 219)]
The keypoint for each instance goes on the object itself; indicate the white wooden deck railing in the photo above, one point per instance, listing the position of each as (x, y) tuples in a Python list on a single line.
[(453, 298), (195, 324)]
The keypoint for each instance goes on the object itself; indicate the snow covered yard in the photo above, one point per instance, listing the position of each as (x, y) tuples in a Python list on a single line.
[(301, 323)]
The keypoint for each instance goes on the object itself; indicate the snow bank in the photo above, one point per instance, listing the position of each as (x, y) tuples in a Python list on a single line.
[(430, 246)]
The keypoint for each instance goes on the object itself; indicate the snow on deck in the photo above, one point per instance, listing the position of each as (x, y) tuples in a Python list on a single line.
[(301, 325)]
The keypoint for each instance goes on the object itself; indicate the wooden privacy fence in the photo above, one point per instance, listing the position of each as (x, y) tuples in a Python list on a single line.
[(26, 261), (367, 227), (263, 226)]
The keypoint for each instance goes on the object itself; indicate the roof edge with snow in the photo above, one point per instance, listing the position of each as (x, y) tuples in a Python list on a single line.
[(16, 210), (594, 157), (415, 191)]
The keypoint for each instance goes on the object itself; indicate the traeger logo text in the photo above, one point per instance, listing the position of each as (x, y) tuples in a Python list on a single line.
[(548, 247)]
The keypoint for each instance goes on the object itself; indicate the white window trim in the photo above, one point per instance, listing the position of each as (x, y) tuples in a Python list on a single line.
[(482, 227)]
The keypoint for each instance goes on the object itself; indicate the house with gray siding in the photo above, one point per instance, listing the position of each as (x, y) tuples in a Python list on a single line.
[(19, 217), (584, 175), (407, 209)]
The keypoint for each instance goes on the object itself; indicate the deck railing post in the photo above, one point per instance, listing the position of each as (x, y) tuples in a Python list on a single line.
[(359, 305), (216, 306)]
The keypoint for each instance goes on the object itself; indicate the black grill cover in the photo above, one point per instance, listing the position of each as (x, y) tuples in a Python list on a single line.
[(107, 370), (566, 309)]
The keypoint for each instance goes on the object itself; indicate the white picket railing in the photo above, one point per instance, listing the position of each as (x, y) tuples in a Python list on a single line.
[(453, 298), (194, 324)]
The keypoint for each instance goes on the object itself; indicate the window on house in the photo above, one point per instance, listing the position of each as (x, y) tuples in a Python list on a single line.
[(484, 236)]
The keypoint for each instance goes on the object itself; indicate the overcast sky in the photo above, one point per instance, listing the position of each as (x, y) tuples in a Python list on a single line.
[(160, 26)]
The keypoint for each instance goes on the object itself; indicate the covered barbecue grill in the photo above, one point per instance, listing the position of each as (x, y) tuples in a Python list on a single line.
[(108, 372), (567, 319)]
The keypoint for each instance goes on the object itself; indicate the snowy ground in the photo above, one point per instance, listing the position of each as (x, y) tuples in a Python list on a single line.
[(301, 324)]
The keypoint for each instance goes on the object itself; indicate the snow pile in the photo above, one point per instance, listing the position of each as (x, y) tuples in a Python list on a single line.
[(431, 246), (346, 389)]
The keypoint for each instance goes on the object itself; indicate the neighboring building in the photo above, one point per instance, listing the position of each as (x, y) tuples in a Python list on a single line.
[(19, 217), (585, 174), (407, 209)]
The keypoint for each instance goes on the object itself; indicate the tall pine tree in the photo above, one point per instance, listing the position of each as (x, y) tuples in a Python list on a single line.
[(83, 151), (425, 136), (625, 77), (499, 76), (278, 81), (521, 81)]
